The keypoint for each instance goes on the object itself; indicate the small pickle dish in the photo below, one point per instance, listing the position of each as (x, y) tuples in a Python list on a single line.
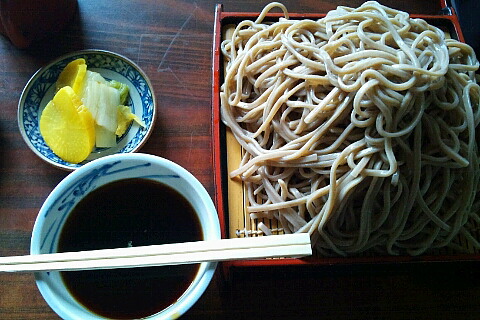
[(42, 87)]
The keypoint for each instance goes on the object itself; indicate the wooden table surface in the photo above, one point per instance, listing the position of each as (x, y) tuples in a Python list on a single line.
[(171, 41)]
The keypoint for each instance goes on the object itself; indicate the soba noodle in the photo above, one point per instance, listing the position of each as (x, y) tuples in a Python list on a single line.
[(358, 128)]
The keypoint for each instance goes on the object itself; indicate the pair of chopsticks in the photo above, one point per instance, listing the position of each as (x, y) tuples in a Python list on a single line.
[(278, 246)]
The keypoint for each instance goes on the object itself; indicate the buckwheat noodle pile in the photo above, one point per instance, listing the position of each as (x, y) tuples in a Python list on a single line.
[(358, 128)]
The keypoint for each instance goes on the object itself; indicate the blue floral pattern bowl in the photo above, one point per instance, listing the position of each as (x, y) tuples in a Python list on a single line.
[(75, 186), (40, 89)]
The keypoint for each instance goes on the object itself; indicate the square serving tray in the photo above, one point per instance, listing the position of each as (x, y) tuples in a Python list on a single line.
[(229, 193)]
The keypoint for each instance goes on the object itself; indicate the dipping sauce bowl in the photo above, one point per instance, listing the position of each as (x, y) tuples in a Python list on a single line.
[(114, 192)]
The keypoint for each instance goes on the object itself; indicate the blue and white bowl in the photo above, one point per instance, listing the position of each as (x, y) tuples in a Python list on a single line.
[(40, 89), (78, 184)]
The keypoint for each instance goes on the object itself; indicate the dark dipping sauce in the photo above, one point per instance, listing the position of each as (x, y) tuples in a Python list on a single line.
[(130, 212)]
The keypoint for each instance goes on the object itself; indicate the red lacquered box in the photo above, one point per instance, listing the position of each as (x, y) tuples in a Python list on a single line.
[(229, 194)]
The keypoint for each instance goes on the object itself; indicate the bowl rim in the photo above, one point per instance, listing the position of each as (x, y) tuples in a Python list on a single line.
[(206, 270), (29, 84)]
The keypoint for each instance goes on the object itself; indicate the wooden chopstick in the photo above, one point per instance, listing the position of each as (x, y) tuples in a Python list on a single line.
[(278, 246)]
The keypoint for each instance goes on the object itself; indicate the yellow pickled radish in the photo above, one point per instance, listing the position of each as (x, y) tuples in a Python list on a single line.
[(73, 75), (68, 127), (89, 122)]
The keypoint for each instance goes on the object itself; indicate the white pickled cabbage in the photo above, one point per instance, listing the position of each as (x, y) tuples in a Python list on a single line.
[(102, 101)]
